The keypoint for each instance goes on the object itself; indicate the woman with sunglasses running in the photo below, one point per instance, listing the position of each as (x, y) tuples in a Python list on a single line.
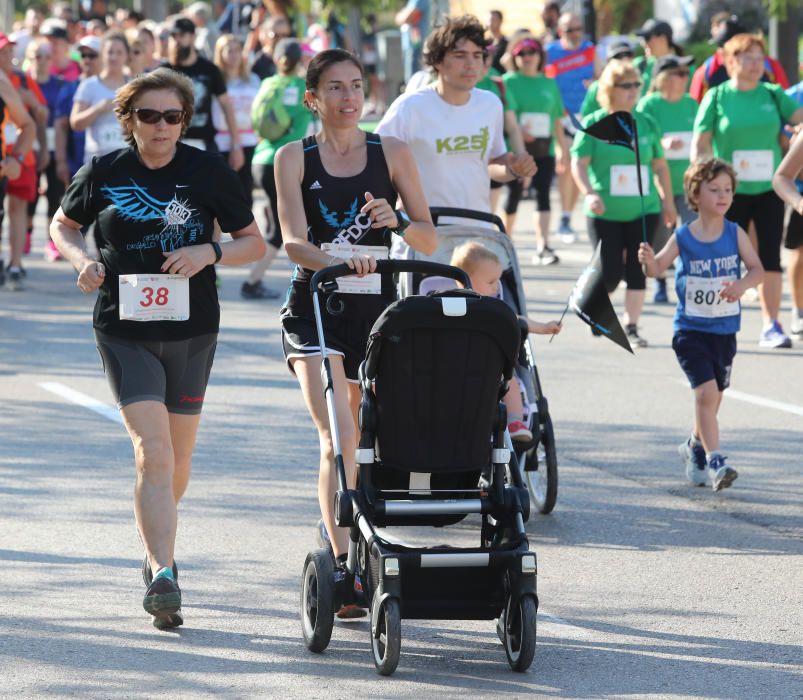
[(674, 111), (606, 174), (156, 318)]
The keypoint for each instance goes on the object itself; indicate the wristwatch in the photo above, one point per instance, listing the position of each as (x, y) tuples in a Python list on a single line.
[(402, 222), (218, 251)]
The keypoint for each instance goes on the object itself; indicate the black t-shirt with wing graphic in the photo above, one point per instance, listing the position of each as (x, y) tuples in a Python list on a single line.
[(142, 213)]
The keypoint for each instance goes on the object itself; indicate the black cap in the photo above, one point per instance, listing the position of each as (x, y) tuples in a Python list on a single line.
[(55, 31), (672, 63), (183, 25), (620, 49), (730, 28), (288, 48), (654, 27)]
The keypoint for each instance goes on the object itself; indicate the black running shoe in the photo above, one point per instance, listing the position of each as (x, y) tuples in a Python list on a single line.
[(163, 601), (351, 608), (147, 574)]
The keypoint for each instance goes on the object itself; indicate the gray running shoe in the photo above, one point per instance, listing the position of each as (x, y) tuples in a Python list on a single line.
[(693, 457), (722, 476)]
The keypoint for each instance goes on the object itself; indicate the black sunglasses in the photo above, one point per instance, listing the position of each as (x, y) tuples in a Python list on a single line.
[(154, 116), (629, 86), (88, 54), (528, 52)]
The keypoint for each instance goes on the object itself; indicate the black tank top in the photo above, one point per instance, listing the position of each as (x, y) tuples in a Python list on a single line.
[(332, 204), (2, 125)]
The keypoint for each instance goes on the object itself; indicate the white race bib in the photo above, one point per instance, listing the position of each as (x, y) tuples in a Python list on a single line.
[(753, 166), (682, 153), (624, 181), (703, 300), (154, 297), (10, 133), (200, 144), (51, 138), (110, 137), (290, 96), (370, 284), (537, 124)]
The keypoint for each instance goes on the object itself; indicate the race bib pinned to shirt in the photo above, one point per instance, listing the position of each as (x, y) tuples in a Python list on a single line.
[(154, 297), (370, 284), (624, 181), (682, 153), (537, 124), (10, 133), (110, 137), (290, 96), (703, 298), (754, 165)]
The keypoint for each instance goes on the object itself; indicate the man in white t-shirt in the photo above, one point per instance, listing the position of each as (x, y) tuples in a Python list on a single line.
[(455, 131)]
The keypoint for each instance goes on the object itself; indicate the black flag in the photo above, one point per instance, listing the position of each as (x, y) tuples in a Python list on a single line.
[(590, 301), (618, 129)]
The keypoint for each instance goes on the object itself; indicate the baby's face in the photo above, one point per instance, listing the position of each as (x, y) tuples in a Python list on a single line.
[(485, 277)]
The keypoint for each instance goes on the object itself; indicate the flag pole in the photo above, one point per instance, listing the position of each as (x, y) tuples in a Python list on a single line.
[(560, 320), (638, 176)]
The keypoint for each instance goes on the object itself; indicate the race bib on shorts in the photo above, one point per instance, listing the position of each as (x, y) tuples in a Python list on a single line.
[(703, 299), (682, 153), (536, 123), (290, 96), (754, 166), (370, 284), (154, 297), (624, 181)]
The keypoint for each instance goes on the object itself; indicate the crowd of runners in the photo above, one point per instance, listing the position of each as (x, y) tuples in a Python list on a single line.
[(148, 140)]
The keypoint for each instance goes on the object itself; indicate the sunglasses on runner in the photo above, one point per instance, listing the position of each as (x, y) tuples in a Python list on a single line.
[(629, 86), (154, 116), (681, 73), (88, 55)]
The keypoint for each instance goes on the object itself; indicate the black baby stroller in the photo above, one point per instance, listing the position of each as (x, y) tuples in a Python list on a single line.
[(432, 450), (538, 458)]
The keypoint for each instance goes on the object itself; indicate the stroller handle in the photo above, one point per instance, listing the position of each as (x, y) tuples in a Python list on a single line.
[(322, 278), (437, 212)]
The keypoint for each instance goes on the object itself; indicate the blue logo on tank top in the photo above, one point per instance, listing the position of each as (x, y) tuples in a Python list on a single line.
[(351, 227)]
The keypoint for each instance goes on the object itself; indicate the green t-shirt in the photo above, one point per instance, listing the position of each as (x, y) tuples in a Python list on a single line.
[(537, 103), (745, 125), (590, 101), (645, 65), (673, 119), (294, 104), (612, 169), (488, 83)]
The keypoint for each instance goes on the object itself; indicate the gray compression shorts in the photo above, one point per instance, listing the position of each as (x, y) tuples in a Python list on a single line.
[(173, 372)]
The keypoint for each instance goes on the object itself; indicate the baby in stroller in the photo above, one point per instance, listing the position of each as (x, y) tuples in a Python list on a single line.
[(485, 272)]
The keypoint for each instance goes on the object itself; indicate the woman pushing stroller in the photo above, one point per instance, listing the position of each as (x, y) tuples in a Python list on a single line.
[(336, 193)]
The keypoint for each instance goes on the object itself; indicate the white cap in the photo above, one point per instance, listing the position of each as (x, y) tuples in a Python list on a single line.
[(90, 42)]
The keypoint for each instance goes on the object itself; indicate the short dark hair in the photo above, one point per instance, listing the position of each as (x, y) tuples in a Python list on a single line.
[(160, 79), (447, 35), (704, 170), (498, 14), (327, 59)]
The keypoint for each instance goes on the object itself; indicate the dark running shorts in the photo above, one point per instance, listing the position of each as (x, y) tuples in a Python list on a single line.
[(794, 232), (705, 356), (345, 337), (173, 372)]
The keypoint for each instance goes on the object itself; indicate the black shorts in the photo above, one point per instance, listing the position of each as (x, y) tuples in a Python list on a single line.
[(344, 336), (173, 372), (794, 232), (766, 211), (620, 237), (705, 356)]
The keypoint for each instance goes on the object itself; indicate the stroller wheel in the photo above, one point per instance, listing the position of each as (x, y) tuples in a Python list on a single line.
[(541, 471), (385, 634), (518, 633), (318, 600)]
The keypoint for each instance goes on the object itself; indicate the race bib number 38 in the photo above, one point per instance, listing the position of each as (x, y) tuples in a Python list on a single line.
[(154, 298), (703, 299)]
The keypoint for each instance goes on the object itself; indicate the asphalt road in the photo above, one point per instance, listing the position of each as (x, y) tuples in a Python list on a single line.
[(648, 587)]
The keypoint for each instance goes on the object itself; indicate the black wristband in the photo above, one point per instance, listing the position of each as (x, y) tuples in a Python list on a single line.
[(218, 251)]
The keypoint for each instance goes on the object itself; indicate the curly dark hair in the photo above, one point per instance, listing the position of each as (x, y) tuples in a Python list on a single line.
[(705, 170), (445, 37)]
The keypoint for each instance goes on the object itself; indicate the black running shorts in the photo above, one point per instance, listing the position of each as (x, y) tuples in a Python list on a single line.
[(173, 372)]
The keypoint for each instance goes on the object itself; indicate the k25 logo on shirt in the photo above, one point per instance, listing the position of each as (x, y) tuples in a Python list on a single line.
[(453, 145)]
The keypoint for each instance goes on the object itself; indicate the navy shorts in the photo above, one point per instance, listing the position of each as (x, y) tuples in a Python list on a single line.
[(705, 356)]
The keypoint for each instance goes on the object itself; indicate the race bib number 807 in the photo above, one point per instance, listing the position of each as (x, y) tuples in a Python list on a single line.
[(154, 298), (703, 298)]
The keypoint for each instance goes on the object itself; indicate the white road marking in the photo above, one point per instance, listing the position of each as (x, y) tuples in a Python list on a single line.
[(77, 397), (757, 400)]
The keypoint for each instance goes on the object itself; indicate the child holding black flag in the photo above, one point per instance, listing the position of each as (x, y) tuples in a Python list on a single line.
[(709, 253)]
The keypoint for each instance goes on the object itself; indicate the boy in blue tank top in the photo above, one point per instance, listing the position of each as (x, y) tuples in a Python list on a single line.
[(708, 283)]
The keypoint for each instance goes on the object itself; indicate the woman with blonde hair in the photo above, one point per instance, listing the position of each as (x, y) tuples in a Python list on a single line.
[(606, 175), (242, 87)]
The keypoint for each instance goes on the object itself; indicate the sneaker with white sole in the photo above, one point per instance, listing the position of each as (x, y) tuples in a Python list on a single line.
[(796, 328), (722, 476), (546, 256), (773, 337), (693, 457), (635, 340), (519, 431)]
